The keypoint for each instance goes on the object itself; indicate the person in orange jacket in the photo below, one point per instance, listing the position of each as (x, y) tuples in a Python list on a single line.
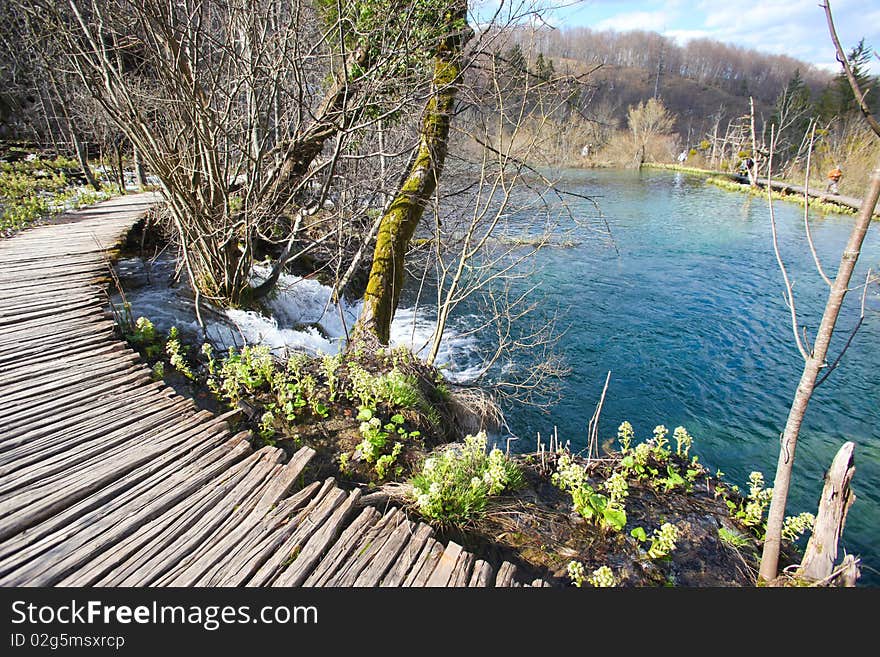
[(834, 177)]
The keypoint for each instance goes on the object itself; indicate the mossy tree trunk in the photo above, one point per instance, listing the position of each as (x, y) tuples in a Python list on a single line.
[(406, 209)]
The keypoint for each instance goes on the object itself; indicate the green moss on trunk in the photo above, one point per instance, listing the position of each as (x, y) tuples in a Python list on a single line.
[(404, 213)]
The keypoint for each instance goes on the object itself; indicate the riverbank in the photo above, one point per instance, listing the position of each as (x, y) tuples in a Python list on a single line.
[(373, 420)]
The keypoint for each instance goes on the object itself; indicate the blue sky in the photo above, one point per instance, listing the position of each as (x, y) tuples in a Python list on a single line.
[(792, 27)]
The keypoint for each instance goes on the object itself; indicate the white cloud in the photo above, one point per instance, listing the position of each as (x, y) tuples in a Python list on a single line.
[(636, 20)]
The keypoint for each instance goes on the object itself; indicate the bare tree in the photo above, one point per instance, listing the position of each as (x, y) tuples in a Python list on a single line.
[(237, 133), (815, 359)]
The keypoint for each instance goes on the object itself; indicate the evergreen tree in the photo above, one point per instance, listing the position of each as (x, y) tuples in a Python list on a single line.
[(838, 98)]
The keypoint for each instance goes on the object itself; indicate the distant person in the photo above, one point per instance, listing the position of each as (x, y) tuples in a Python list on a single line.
[(834, 177), (682, 156)]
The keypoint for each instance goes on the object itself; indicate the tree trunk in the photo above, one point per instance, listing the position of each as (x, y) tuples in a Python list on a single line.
[(140, 174), (403, 215), (837, 497), (815, 362), (82, 156)]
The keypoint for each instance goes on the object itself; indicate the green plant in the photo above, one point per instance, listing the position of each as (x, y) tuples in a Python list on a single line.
[(376, 437), (663, 541), (330, 368), (344, 459), (639, 534), (683, 441), (659, 442), (244, 372), (603, 577), (796, 526), (398, 390), (591, 505), (636, 462), (751, 510), (454, 486), (146, 337), (625, 435), (576, 573), (672, 479), (731, 538), (158, 370), (174, 350)]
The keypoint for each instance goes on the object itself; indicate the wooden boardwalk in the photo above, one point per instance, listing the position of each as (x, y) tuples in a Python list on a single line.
[(817, 192), (108, 478)]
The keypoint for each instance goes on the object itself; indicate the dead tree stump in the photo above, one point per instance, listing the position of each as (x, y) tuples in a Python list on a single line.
[(837, 497)]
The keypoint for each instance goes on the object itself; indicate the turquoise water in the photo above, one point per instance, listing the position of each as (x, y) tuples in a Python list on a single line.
[(690, 320)]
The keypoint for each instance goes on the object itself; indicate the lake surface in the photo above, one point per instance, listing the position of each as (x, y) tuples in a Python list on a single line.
[(690, 320)]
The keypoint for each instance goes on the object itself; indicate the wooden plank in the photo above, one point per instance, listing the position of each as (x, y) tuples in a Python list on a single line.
[(483, 574), (40, 502), (426, 563), (74, 398), (48, 454), (371, 545), (132, 491), (352, 537), (506, 574), (314, 549), (111, 441), (381, 563), (408, 557), (461, 575), (181, 526), (442, 572), (62, 560), (283, 484), (269, 539), (202, 566), (302, 552)]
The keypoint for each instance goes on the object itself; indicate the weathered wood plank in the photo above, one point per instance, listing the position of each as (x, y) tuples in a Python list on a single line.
[(408, 557), (373, 541), (506, 575), (427, 561), (386, 556), (442, 572), (482, 575), (352, 537)]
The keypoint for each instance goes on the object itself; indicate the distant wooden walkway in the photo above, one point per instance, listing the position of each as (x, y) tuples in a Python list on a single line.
[(108, 478), (817, 193)]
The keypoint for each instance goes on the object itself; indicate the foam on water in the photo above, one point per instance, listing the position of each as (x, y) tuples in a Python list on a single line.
[(303, 318)]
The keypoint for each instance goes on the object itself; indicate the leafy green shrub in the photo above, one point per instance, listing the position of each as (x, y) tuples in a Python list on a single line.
[(175, 353), (663, 541), (607, 512), (454, 486), (377, 436), (398, 390), (244, 372), (796, 526), (602, 577)]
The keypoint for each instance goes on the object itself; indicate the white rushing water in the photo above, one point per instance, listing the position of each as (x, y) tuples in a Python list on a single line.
[(303, 318)]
